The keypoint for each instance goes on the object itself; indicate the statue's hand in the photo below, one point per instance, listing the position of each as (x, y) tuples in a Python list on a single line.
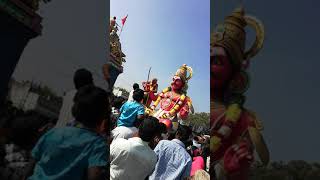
[(237, 159)]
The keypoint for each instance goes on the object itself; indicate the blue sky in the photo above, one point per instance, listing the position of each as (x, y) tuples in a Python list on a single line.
[(164, 35)]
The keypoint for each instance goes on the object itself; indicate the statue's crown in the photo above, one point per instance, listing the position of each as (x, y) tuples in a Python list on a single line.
[(231, 35)]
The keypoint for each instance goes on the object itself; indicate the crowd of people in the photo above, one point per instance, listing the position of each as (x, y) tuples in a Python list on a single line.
[(98, 136)]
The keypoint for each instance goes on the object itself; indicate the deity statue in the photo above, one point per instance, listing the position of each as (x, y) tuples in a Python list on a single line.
[(175, 105), (115, 44), (235, 130), (149, 87)]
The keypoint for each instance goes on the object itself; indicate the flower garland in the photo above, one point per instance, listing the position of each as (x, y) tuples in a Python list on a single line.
[(233, 114), (176, 107)]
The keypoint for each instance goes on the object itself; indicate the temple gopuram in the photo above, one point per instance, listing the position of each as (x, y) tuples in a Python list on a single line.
[(20, 23)]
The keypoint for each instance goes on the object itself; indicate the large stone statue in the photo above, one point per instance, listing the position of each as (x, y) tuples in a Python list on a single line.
[(235, 130), (175, 105)]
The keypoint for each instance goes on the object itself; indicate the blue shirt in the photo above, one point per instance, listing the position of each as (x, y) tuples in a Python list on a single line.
[(174, 162), (67, 153), (129, 112)]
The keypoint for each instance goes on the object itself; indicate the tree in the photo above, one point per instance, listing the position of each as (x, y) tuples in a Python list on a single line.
[(200, 122), (125, 92)]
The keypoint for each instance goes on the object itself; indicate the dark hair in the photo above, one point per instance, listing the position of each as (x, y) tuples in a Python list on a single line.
[(118, 102), (183, 133), (91, 106), (163, 128), (82, 77), (138, 95), (135, 86), (25, 130), (149, 128)]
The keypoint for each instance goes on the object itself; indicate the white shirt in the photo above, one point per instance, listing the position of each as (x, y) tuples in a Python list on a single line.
[(65, 115), (130, 98), (123, 132), (131, 159)]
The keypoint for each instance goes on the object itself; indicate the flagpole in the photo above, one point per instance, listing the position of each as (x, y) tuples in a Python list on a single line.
[(123, 22)]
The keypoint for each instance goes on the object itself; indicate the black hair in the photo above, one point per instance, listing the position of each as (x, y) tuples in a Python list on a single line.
[(163, 128), (25, 130), (183, 133), (138, 95), (118, 102), (149, 128), (82, 77), (91, 106), (135, 86)]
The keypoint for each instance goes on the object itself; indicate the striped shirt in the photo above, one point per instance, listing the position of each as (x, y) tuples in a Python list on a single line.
[(174, 162)]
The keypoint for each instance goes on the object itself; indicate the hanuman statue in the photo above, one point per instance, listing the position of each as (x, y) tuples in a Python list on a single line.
[(235, 130), (175, 105)]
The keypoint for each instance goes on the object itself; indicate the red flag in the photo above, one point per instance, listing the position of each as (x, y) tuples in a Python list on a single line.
[(123, 20)]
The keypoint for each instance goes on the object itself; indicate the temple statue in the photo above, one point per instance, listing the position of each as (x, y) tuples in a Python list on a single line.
[(115, 44), (235, 130), (175, 105), (149, 87)]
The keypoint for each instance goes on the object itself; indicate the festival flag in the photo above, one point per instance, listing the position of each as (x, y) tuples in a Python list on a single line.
[(123, 20)]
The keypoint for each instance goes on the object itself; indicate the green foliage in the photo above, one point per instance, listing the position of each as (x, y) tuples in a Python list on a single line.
[(125, 92), (200, 122), (293, 170)]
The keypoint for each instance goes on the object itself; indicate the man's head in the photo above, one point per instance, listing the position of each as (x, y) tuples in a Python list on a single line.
[(183, 133), (91, 106), (26, 130), (135, 86), (159, 136), (149, 129), (138, 95), (82, 77)]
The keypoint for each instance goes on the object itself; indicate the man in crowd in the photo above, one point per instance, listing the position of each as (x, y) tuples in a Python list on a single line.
[(133, 159), (82, 77), (75, 152), (132, 112), (135, 86), (174, 162)]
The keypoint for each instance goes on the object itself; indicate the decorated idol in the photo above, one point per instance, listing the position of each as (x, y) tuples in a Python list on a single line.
[(235, 130), (149, 87), (174, 104)]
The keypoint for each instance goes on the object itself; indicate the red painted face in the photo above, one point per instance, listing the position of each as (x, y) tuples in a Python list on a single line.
[(177, 83), (220, 67)]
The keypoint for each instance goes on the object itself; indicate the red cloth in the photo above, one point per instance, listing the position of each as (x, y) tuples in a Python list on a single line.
[(197, 164)]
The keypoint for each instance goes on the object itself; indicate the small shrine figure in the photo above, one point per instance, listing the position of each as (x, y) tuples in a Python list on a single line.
[(235, 130), (175, 105), (149, 87), (113, 24)]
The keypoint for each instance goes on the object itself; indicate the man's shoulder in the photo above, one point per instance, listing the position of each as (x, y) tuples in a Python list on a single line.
[(165, 143), (120, 144)]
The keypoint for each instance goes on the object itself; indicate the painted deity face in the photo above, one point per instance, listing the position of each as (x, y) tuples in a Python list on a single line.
[(176, 83), (220, 67)]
